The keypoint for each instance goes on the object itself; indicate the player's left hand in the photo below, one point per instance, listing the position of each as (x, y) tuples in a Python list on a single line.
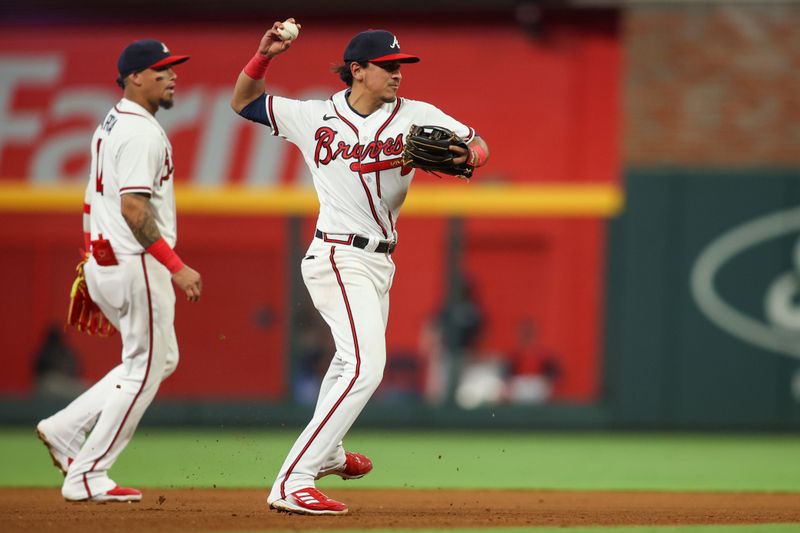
[(189, 280), (271, 43), (463, 154)]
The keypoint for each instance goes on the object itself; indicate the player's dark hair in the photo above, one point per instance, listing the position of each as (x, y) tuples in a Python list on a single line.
[(344, 73), (122, 81)]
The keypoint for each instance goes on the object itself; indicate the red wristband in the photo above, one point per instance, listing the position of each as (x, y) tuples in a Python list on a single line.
[(477, 156), (257, 66), (165, 255)]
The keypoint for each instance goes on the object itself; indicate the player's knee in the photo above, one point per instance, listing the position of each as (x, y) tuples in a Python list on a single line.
[(371, 374), (170, 365)]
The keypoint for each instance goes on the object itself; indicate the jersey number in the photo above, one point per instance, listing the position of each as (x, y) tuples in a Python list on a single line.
[(98, 179)]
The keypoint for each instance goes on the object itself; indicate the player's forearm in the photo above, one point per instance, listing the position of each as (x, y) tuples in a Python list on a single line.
[(138, 213), (246, 90), (250, 84)]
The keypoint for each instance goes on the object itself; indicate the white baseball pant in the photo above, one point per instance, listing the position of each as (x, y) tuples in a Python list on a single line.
[(138, 298), (350, 289)]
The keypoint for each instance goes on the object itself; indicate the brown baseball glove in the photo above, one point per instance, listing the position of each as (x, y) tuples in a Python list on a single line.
[(428, 148), (83, 313)]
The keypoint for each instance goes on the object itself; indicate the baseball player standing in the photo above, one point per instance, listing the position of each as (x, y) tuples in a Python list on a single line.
[(353, 144), (129, 223)]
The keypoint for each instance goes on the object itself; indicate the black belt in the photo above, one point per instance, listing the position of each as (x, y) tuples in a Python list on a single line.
[(384, 247)]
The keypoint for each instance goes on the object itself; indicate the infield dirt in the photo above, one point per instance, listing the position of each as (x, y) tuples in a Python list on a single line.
[(173, 510)]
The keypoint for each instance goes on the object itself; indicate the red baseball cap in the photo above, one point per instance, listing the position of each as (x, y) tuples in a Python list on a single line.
[(376, 46)]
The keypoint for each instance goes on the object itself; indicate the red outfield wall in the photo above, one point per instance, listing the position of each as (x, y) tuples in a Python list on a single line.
[(548, 109)]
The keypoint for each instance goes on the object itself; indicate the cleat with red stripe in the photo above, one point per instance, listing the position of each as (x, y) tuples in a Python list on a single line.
[(61, 459), (355, 466), (309, 501), (117, 494)]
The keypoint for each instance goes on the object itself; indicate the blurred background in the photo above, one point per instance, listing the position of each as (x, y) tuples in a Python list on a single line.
[(628, 258)]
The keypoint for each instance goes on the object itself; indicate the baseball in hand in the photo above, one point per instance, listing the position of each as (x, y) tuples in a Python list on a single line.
[(289, 31)]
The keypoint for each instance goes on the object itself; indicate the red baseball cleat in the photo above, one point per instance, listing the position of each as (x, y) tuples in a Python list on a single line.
[(355, 466), (309, 501)]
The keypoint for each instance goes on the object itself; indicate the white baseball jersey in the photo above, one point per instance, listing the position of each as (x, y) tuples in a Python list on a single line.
[(130, 154), (356, 161)]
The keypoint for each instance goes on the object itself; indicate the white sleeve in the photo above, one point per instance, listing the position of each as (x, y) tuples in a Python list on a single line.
[(290, 119), (436, 117), (139, 162)]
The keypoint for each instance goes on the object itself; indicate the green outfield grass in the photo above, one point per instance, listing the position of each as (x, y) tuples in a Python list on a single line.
[(494, 460)]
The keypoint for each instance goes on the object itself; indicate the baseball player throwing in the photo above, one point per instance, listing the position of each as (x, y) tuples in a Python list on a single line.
[(353, 145), (129, 225)]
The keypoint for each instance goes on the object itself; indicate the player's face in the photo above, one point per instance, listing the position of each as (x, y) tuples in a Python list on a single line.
[(159, 86), (383, 80)]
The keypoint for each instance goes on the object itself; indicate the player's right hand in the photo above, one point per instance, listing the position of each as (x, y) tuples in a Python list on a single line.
[(188, 279), (271, 43)]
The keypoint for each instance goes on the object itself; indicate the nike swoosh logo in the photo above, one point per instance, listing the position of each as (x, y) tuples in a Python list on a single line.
[(326, 117)]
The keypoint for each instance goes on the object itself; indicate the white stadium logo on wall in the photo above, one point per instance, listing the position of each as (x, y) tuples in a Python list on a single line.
[(780, 331)]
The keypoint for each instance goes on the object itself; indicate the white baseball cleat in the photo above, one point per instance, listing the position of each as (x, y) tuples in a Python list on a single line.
[(117, 494), (61, 459)]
